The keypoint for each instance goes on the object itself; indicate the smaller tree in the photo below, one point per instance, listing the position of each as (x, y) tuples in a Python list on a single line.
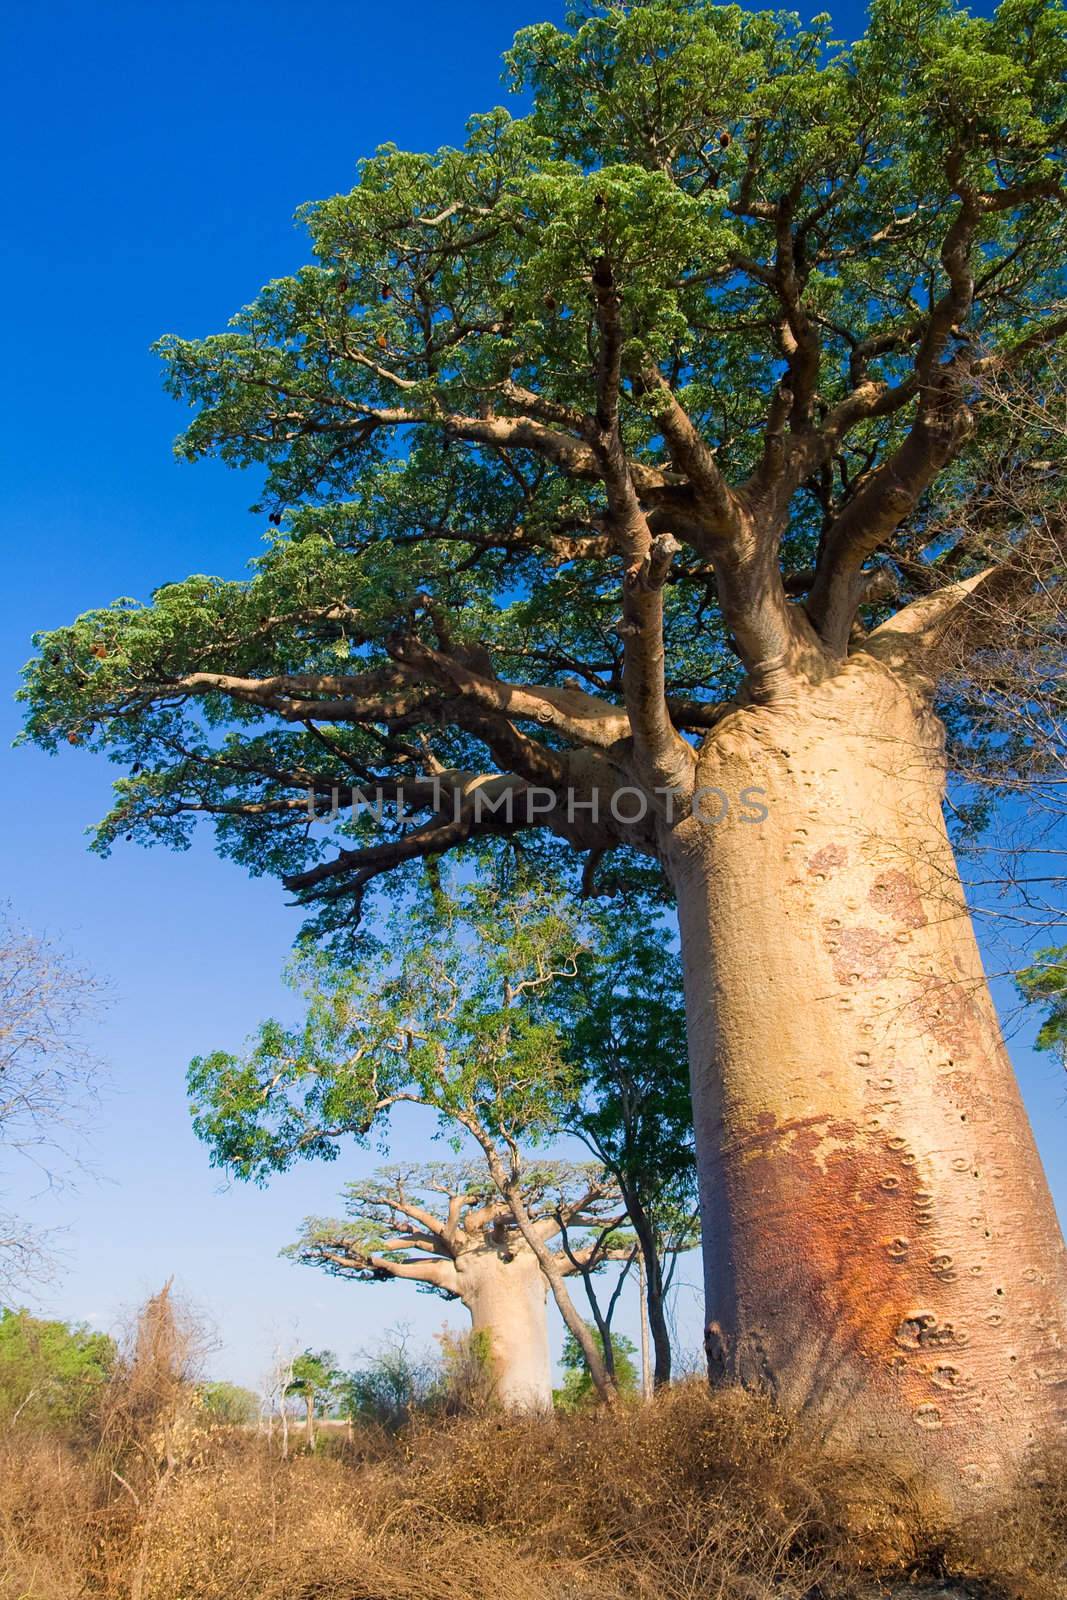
[(274, 1393), (228, 1404), (390, 1384), (316, 1379), (443, 1017), (577, 1387), (449, 1230), (621, 1022)]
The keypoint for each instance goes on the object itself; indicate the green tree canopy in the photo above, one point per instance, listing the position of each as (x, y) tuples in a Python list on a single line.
[(621, 1023), (622, 1026), (228, 1403), (523, 411), (410, 1222), (318, 1380), (442, 1018)]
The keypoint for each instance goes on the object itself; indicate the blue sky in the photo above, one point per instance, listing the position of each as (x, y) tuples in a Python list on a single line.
[(154, 156)]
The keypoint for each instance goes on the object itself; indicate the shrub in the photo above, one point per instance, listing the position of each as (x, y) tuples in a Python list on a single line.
[(578, 1387), (228, 1404), (695, 1496), (52, 1374)]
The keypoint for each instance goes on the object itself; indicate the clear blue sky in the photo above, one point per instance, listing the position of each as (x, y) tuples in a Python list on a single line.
[(153, 158)]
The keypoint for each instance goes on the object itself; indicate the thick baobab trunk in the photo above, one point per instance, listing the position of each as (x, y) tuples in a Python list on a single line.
[(506, 1298), (881, 1249)]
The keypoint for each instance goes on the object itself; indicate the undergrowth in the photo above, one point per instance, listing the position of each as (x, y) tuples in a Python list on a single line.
[(715, 1496)]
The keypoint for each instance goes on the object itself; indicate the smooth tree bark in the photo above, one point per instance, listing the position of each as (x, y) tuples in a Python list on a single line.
[(475, 1252), (880, 1245), (606, 448), (646, 1365)]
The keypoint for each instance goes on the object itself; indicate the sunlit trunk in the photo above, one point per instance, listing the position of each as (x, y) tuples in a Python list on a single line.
[(880, 1245), (506, 1299), (642, 1311)]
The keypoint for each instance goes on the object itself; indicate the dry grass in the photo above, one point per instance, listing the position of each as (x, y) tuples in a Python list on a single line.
[(696, 1495)]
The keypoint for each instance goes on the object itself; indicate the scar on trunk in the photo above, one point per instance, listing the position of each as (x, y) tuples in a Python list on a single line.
[(858, 953), (898, 896), (827, 860), (947, 1012)]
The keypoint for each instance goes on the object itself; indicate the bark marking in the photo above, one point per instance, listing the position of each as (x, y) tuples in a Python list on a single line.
[(897, 895), (836, 1293), (858, 953), (946, 1011), (827, 860)]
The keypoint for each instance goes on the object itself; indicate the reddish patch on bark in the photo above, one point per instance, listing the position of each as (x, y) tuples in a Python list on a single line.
[(765, 1132), (827, 860), (898, 896), (824, 1228), (858, 953)]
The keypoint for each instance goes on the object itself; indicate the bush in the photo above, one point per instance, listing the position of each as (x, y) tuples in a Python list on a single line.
[(695, 1496), (392, 1386), (466, 1383), (577, 1387), (52, 1374), (228, 1404)]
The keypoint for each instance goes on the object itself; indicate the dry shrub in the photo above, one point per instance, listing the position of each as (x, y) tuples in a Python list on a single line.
[(149, 1413), (48, 1507), (695, 1490), (695, 1495), (1020, 1549)]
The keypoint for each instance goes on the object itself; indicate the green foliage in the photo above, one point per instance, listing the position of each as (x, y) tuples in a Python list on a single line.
[(317, 1380), (622, 1022), (390, 1217), (390, 1387), (1045, 983), (449, 287), (52, 1374), (228, 1403), (578, 1387), (443, 1018)]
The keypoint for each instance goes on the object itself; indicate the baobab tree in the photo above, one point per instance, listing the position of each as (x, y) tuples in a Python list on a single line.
[(448, 1229), (601, 451)]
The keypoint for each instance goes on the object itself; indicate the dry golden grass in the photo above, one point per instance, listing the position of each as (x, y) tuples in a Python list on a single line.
[(695, 1495)]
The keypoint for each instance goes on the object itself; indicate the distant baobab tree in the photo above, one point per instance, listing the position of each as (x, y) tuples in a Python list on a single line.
[(448, 1229)]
